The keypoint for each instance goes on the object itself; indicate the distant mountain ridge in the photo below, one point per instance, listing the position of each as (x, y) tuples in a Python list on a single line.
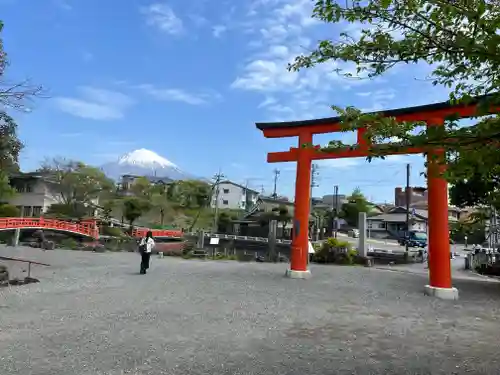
[(143, 162)]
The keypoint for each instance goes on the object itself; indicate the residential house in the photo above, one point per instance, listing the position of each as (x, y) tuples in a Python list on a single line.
[(230, 195), (128, 180), (36, 192), (418, 196), (419, 200), (392, 223), (254, 222), (329, 201)]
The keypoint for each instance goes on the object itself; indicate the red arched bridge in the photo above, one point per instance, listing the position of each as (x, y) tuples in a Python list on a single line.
[(87, 228)]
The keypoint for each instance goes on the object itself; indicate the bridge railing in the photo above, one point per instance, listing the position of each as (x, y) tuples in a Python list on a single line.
[(89, 228), (236, 237), (141, 232)]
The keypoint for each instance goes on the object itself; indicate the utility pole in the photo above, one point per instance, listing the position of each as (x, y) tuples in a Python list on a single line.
[(335, 209), (314, 183), (276, 175), (246, 195), (408, 198), (217, 179), (314, 175), (314, 179), (495, 228)]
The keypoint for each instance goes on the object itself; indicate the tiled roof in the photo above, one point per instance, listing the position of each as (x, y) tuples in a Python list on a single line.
[(238, 185), (393, 218)]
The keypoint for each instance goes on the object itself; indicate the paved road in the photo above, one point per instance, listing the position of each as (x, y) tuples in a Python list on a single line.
[(93, 314), (392, 244), (457, 270)]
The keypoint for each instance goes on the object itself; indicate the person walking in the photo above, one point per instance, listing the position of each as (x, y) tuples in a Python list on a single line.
[(146, 246)]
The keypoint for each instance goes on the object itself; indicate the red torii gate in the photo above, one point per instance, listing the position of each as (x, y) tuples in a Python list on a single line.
[(440, 283)]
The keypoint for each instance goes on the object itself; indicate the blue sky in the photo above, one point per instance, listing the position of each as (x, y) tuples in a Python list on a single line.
[(188, 80)]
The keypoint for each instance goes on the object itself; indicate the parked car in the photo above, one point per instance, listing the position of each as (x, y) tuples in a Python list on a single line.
[(414, 239), (353, 233)]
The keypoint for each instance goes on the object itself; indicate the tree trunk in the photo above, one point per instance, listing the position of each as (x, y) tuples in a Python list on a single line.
[(162, 216)]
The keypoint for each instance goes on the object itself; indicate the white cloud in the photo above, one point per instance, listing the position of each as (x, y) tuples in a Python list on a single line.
[(265, 75), (178, 95), (379, 99), (96, 104), (218, 30), (267, 102), (162, 17), (280, 31)]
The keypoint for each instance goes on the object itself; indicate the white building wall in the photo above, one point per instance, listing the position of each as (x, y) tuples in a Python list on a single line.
[(233, 197), (36, 199)]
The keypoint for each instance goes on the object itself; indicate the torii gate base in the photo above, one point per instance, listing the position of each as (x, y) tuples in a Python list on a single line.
[(440, 283)]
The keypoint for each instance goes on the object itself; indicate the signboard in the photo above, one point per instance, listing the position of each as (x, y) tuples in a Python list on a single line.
[(214, 241)]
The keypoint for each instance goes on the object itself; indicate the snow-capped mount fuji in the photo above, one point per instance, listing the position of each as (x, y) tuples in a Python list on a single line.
[(144, 162)]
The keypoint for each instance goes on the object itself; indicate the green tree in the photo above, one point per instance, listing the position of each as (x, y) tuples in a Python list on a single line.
[(143, 188), (75, 210), (224, 221), (6, 190), (192, 193), (134, 208), (8, 210), (107, 209), (283, 216), (356, 203), (75, 182), (10, 145), (475, 190), (460, 42), (161, 204)]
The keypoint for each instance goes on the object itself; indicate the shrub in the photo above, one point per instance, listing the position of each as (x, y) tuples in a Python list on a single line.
[(188, 246), (6, 237), (335, 251), (8, 210), (112, 231), (69, 243), (221, 256)]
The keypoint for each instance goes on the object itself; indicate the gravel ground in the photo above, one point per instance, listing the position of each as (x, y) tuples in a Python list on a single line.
[(93, 314)]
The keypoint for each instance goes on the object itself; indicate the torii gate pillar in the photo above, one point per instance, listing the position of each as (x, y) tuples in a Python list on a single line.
[(440, 282), (300, 243)]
